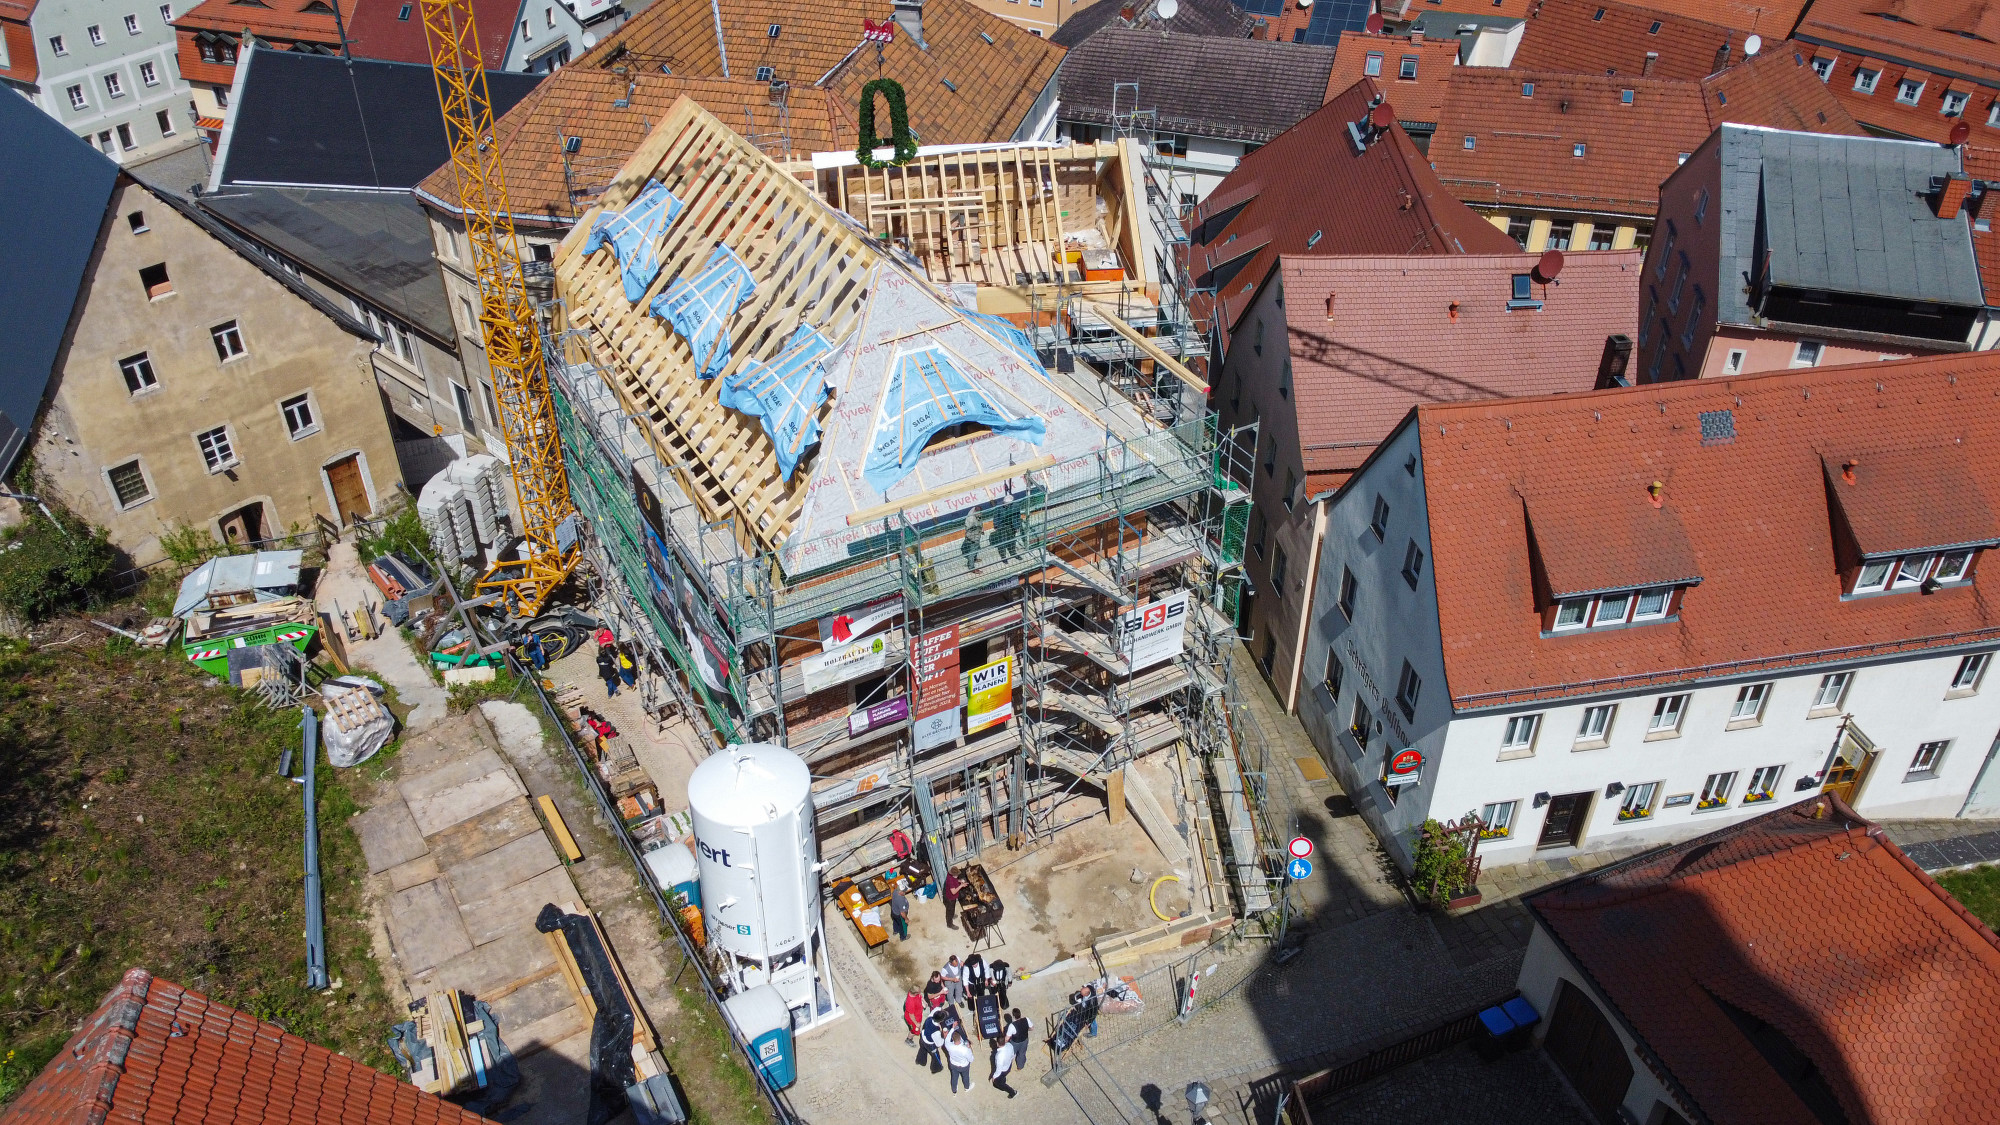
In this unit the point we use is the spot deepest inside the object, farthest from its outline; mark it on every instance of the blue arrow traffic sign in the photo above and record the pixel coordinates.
(1299, 869)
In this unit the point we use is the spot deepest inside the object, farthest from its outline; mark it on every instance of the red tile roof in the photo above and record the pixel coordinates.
(1810, 922)
(22, 63)
(1601, 37)
(1500, 9)
(1524, 146)
(1984, 164)
(1936, 41)
(374, 32)
(1770, 594)
(157, 1054)
(1416, 99)
(280, 23)
(1924, 120)
(1308, 190)
(1772, 21)
(996, 72)
(1404, 330)
(1778, 90)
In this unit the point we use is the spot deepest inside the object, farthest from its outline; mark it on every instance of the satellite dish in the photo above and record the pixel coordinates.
(1961, 131)
(589, 40)
(1549, 266)
(1168, 9)
(1382, 116)
(1374, 23)
(1752, 45)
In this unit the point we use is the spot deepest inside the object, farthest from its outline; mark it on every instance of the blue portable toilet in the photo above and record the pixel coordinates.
(674, 868)
(764, 1022)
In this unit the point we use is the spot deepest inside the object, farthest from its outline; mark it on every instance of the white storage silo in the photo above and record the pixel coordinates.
(753, 830)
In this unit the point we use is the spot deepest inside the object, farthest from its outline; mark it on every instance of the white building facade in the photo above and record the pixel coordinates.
(1698, 700)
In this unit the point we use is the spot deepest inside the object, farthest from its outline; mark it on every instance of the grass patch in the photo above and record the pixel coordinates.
(143, 823)
(1978, 889)
(464, 697)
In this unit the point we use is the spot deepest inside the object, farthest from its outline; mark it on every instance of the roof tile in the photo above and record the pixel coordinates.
(1417, 99)
(1246, 89)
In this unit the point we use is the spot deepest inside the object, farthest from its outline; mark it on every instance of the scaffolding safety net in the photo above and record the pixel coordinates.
(699, 307)
(634, 234)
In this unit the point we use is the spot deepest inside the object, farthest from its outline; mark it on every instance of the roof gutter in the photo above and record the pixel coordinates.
(456, 209)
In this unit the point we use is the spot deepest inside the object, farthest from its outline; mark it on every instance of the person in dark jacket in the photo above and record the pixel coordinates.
(899, 910)
(974, 974)
(953, 887)
(607, 668)
(998, 975)
(930, 1041)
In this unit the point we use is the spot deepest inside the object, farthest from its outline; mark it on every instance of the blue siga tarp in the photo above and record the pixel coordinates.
(698, 306)
(634, 234)
(786, 393)
(927, 392)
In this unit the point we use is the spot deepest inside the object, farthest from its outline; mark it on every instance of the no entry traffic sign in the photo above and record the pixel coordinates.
(1300, 847)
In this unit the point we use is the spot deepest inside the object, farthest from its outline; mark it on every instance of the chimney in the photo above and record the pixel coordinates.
(1952, 195)
(1612, 365)
(1652, 57)
(1329, 308)
(1416, 35)
(1721, 57)
(909, 16)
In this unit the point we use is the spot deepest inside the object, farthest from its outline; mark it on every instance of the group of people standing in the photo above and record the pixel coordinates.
(944, 1037)
(614, 664)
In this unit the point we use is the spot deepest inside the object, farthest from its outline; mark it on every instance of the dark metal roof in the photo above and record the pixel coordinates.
(1840, 214)
(321, 121)
(374, 244)
(1241, 89)
(54, 189)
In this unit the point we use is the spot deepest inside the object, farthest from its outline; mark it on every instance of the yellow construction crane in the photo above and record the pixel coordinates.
(520, 380)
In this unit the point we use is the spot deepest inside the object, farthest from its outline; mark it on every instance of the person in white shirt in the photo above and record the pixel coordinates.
(958, 1055)
(954, 980)
(1004, 1060)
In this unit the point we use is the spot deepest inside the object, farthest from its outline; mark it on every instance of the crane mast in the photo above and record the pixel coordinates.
(506, 319)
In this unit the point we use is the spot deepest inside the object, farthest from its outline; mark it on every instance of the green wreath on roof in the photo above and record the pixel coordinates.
(899, 125)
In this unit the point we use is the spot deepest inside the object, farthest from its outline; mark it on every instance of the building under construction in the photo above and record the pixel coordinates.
(902, 467)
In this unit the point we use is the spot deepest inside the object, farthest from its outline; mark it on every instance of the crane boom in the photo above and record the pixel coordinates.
(507, 320)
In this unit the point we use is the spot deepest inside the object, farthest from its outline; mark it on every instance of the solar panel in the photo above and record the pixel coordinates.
(1717, 426)
(1331, 17)
(1265, 7)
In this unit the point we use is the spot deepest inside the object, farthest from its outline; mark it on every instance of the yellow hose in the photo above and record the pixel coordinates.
(1152, 896)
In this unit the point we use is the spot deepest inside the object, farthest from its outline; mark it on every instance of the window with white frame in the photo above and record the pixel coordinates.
(1638, 802)
(1865, 79)
(1667, 715)
(1952, 566)
(1715, 791)
(1519, 739)
(1832, 690)
(1407, 687)
(299, 418)
(138, 372)
(1572, 614)
(1971, 670)
(1954, 103)
(217, 452)
(166, 13)
(60, 48)
(1823, 67)
(1733, 363)
(228, 337)
(1497, 820)
(1807, 353)
(396, 338)
(77, 100)
(1749, 705)
(1911, 572)
(1763, 784)
(1413, 564)
(149, 74)
(1909, 91)
(1372, 65)
(1929, 756)
(1595, 729)
(1408, 67)
(1612, 609)
(96, 33)
(128, 484)
(131, 25)
(1993, 114)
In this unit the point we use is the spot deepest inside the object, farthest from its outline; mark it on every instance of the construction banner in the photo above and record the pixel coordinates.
(848, 662)
(1154, 632)
(992, 693)
(934, 666)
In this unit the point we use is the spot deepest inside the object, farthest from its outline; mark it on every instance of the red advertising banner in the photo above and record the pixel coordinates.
(934, 665)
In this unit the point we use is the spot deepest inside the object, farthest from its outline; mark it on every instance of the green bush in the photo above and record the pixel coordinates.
(190, 546)
(1443, 865)
(49, 566)
(402, 533)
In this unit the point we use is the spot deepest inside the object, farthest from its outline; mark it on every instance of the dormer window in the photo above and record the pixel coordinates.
(1886, 545)
(1913, 572)
(1620, 607)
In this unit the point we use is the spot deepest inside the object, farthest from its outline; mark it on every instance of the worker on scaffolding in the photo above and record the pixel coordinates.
(1007, 525)
(975, 530)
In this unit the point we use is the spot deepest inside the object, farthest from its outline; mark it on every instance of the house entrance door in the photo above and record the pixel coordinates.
(1853, 759)
(1564, 826)
(244, 526)
(350, 494)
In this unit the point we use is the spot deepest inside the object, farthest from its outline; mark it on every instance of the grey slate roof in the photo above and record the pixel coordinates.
(1239, 89)
(1215, 18)
(1840, 214)
(54, 189)
(375, 244)
(321, 121)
